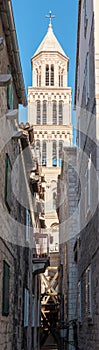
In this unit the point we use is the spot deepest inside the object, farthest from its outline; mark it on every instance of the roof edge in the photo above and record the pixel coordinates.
(9, 26)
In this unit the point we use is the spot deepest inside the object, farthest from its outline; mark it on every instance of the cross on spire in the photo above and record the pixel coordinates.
(50, 16)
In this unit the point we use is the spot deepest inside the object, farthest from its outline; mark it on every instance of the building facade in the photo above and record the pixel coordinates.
(67, 210)
(87, 114)
(15, 216)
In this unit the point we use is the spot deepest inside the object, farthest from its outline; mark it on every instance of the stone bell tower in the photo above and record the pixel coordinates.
(49, 105)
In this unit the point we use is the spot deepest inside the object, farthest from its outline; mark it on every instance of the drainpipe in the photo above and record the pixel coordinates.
(13, 34)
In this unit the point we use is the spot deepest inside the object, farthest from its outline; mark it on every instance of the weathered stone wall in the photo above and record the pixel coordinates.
(13, 247)
(68, 229)
(87, 111)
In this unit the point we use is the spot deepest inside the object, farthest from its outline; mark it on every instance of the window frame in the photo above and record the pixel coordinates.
(88, 187)
(60, 112)
(44, 153)
(5, 289)
(47, 75)
(52, 75)
(38, 116)
(44, 116)
(8, 170)
(54, 153)
(54, 113)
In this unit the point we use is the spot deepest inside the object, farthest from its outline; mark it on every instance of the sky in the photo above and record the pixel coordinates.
(31, 27)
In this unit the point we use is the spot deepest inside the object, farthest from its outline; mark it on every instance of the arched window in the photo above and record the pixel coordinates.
(37, 145)
(39, 76)
(44, 117)
(60, 112)
(59, 78)
(60, 152)
(44, 160)
(47, 75)
(62, 77)
(61, 71)
(52, 74)
(54, 112)
(54, 155)
(38, 112)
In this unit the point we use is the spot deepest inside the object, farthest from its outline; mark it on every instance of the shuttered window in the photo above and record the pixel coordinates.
(5, 291)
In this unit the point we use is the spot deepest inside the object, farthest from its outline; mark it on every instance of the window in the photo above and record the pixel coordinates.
(52, 74)
(47, 75)
(8, 169)
(5, 292)
(62, 78)
(88, 187)
(27, 224)
(54, 200)
(54, 157)
(54, 112)
(60, 152)
(85, 17)
(38, 112)
(79, 300)
(87, 77)
(37, 77)
(61, 71)
(89, 292)
(44, 161)
(26, 307)
(44, 118)
(60, 113)
(9, 92)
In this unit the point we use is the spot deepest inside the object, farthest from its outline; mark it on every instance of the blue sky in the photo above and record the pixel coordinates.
(31, 27)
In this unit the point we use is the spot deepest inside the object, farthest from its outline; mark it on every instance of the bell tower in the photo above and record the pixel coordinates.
(49, 106)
